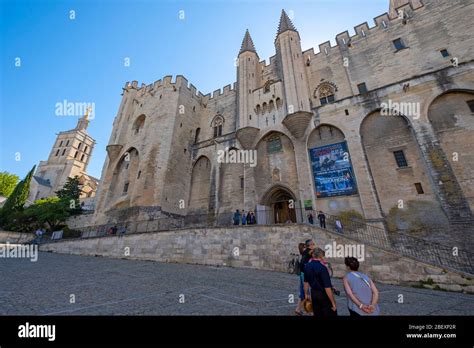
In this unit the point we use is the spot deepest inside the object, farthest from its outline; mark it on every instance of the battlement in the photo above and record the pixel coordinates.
(344, 41)
(180, 83)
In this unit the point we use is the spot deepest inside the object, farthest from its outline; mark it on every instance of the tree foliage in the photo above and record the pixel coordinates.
(71, 192)
(7, 183)
(18, 197)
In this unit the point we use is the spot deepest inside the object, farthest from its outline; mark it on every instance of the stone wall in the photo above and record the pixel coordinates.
(261, 247)
(15, 237)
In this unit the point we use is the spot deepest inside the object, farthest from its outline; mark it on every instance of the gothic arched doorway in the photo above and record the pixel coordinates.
(280, 205)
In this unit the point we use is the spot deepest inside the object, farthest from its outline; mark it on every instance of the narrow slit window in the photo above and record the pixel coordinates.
(400, 159)
(419, 188)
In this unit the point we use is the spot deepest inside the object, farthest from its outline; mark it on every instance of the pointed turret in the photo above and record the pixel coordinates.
(247, 43)
(292, 71)
(248, 79)
(285, 23)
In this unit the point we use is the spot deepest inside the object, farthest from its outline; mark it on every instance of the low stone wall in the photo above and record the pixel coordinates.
(15, 237)
(261, 247)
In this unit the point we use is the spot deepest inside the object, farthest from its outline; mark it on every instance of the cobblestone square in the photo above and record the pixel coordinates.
(105, 286)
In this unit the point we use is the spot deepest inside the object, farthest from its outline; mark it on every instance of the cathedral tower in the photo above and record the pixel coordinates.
(69, 157)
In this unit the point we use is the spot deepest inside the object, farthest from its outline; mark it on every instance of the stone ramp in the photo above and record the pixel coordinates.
(266, 248)
(15, 237)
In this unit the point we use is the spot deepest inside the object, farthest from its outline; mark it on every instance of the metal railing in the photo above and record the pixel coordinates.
(402, 243)
(407, 245)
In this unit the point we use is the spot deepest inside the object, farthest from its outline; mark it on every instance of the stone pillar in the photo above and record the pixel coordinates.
(250, 200)
(365, 182)
(303, 167)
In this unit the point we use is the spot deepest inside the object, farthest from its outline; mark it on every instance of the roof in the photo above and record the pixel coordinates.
(247, 43)
(41, 181)
(285, 23)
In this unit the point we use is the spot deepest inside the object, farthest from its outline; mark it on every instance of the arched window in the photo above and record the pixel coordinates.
(271, 106)
(217, 124)
(258, 109)
(278, 103)
(138, 124)
(264, 108)
(326, 93)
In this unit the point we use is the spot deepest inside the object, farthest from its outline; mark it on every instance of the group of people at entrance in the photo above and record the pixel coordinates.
(322, 221)
(244, 218)
(317, 294)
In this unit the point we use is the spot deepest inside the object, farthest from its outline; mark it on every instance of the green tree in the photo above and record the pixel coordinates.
(50, 212)
(18, 197)
(71, 192)
(7, 183)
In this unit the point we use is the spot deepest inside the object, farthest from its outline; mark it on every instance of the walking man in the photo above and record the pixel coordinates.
(322, 219)
(318, 286)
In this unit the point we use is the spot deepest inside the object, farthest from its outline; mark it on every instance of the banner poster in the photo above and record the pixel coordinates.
(332, 170)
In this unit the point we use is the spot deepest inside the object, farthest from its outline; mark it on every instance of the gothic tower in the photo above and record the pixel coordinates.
(69, 157)
(248, 78)
(292, 67)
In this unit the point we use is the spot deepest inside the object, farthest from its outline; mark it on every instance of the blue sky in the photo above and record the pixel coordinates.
(82, 60)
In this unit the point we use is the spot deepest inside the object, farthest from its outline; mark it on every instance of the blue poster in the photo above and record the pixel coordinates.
(332, 170)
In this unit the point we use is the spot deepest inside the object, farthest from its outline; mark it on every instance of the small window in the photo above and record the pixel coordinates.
(217, 125)
(61, 144)
(400, 159)
(75, 155)
(399, 44)
(274, 145)
(57, 152)
(470, 103)
(82, 158)
(196, 137)
(362, 88)
(85, 149)
(126, 166)
(419, 188)
(125, 187)
(64, 151)
(444, 53)
(139, 173)
(346, 112)
(79, 147)
(327, 100)
(241, 182)
(67, 143)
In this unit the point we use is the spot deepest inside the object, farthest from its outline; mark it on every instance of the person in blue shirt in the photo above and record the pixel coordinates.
(244, 217)
(318, 286)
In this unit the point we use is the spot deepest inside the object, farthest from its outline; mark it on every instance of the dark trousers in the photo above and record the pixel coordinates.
(321, 305)
(354, 314)
(322, 223)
